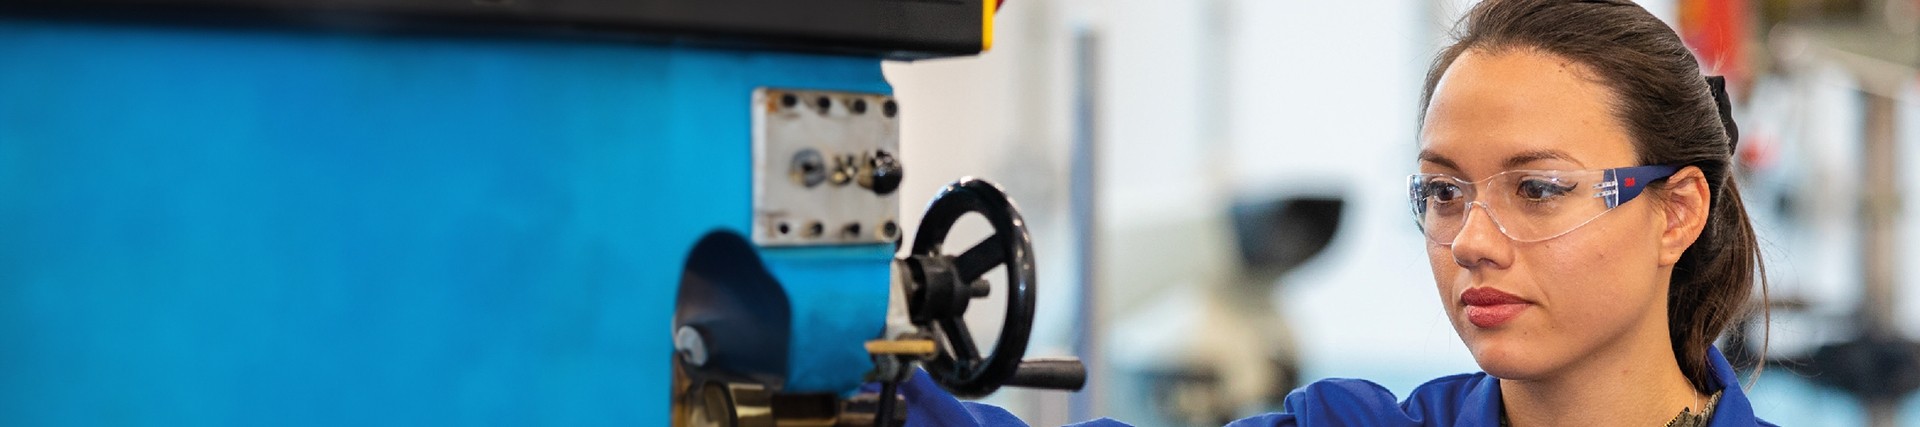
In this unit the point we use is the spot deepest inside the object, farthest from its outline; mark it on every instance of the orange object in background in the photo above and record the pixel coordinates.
(1717, 31)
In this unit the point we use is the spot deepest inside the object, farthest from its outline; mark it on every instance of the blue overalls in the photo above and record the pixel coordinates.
(1458, 400)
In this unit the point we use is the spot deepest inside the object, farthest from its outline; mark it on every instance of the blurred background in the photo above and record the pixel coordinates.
(1215, 188)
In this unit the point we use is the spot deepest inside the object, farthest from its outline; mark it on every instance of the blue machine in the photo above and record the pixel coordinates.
(454, 213)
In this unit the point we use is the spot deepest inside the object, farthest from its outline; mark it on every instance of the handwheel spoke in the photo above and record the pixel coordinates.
(980, 259)
(964, 352)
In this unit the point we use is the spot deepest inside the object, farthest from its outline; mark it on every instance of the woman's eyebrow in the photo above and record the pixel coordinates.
(1436, 158)
(1526, 157)
(1514, 161)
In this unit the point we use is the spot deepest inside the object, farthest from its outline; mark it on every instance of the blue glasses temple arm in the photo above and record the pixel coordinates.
(1621, 185)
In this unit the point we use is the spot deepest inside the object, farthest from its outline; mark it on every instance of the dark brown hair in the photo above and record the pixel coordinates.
(1675, 117)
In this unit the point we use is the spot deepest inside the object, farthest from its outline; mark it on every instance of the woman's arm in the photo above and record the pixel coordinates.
(1332, 402)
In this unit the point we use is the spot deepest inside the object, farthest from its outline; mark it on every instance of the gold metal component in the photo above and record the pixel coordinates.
(716, 404)
(901, 347)
(845, 168)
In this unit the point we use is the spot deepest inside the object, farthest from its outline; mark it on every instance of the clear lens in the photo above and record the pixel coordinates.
(1525, 205)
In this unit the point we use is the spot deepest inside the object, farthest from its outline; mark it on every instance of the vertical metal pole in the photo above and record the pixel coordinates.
(1081, 209)
(1216, 78)
(1882, 210)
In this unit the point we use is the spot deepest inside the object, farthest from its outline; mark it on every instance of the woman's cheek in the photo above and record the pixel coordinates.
(1445, 274)
(1582, 286)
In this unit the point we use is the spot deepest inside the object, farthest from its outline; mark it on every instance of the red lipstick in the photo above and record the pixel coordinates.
(1488, 307)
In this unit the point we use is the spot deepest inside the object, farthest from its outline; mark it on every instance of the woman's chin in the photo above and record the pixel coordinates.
(1505, 359)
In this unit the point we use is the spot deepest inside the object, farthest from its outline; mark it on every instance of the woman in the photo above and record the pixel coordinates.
(1585, 234)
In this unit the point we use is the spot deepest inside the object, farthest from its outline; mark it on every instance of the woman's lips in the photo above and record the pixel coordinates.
(1487, 307)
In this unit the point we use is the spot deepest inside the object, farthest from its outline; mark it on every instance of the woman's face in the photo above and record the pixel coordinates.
(1580, 294)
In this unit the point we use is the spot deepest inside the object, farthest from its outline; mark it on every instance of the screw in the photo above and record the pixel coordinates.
(809, 167)
(845, 168)
(691, 346)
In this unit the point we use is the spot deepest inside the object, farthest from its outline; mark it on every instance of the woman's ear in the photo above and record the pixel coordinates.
(1686, 201)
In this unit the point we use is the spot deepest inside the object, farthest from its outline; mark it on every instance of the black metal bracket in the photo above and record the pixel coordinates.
(896, 29)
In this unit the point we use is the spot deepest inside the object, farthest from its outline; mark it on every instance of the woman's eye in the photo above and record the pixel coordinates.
(1537, 189)
(1443, 192)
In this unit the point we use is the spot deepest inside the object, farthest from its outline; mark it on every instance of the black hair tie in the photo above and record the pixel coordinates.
(1718, 85)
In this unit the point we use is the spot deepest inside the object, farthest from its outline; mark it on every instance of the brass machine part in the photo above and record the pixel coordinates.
(722, 404)
(716, 404)
(922, 348)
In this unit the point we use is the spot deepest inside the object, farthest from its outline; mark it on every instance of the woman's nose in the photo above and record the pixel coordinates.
(1480, 242)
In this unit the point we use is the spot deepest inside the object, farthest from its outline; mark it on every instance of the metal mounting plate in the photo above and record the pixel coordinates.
(807, 148)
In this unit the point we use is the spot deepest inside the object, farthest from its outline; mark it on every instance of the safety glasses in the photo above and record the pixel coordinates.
(1526, 205)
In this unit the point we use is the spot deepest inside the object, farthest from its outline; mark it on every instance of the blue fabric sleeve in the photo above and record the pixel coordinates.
(1336, 402)
(930, 406)
(1263, 420)
(1466, 400)
(1323, 403)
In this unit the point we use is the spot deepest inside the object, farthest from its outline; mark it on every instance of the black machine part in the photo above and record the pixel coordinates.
(725, 287)
(945, 282)
(1276, 235)
(883, 28)
(1874, 366)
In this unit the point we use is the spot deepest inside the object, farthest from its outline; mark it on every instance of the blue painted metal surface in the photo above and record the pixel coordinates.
(260, 227)
(839, 301)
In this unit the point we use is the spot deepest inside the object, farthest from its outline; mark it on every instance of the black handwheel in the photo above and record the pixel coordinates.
(947, 281)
